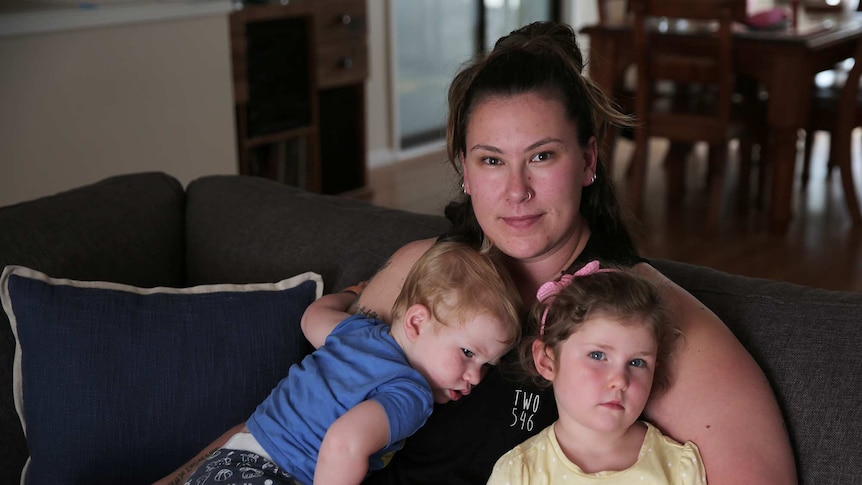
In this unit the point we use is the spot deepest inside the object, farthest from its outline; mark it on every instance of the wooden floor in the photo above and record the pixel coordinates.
(821, 248)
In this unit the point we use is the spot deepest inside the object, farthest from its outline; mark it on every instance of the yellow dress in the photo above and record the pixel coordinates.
(540, 461)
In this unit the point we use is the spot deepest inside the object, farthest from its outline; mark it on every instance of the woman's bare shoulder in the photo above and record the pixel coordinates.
(395, 269)
(411, 251)
(681, 302)
(719, 397)
(378, 296)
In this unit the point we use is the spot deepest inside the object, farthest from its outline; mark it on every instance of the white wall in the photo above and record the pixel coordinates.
(83, 104)
(378, 102)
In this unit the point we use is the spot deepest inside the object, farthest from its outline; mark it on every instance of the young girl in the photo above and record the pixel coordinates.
(602, 339)
(349, 405)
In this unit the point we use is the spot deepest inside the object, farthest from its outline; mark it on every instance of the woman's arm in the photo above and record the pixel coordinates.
(179, 475)
(720, 399)
(323, 315)
(349, 441)
(379, 294)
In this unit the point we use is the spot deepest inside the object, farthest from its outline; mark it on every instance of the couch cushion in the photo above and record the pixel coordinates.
(242, 229)
(127, 229)
(119, 384)
(808, 343)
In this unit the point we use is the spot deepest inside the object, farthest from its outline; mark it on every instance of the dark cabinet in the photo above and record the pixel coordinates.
(299, 72)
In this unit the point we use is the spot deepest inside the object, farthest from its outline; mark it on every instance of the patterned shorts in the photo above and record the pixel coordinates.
(239, 467)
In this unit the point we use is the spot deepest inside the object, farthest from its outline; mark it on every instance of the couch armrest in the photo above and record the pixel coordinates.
(126, 229)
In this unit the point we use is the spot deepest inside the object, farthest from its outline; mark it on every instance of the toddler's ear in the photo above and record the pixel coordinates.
(417, 319)
(543, 358)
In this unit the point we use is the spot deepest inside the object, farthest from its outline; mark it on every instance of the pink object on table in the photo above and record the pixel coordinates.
(772, 19)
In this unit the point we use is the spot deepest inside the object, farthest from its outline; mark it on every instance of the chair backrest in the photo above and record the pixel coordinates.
(846, 121)
(849, 97)
(696, 54)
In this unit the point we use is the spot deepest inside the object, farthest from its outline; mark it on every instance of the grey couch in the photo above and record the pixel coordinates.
(147, 230)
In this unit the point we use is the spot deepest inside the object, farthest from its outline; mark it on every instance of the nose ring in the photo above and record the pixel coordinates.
(529, 195)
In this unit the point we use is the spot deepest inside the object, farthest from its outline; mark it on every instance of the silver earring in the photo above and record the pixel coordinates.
(463, 189)
(594, 178)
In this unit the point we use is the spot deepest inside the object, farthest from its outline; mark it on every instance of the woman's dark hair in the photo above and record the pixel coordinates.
(541, 57)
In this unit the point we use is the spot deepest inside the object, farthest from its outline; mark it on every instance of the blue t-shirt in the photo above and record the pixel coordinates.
(358, 361)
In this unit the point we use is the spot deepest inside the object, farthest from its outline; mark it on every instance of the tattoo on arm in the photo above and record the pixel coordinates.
(356, 308)
(367, 312)
(190, 467)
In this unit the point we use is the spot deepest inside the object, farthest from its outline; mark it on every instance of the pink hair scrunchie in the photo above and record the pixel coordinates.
(551, 289)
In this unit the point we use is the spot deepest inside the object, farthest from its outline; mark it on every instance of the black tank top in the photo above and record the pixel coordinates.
(462, 440)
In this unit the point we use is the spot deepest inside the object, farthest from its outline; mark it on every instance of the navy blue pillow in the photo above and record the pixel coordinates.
(117, 384)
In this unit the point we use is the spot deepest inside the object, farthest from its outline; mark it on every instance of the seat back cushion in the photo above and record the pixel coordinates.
(249, 229)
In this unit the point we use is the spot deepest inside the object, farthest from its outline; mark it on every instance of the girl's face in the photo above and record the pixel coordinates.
(602, 374)
(524, 170)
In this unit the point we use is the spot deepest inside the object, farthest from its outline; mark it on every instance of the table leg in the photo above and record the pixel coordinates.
(789, 86)
(782, 156)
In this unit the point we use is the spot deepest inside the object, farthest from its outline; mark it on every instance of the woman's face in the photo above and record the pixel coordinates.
(524, 170)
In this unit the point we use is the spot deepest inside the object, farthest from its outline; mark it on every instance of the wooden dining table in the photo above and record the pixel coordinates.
(783, 61)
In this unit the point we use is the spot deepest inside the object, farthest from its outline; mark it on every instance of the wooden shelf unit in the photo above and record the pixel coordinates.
(299, 72)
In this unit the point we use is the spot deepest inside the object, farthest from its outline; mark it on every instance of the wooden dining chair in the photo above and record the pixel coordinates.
(837, 109)
(700, 67)
(623, 93)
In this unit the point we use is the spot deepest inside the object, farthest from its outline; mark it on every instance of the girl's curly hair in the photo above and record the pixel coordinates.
(620, 293)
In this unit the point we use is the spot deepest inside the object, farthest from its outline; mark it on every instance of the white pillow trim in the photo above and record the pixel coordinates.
(214, 288)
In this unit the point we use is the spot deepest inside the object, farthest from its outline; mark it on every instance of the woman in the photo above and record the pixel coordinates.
(524, 133)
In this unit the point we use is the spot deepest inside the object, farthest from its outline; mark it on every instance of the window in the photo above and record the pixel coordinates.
(504, 16)
(432, 39)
